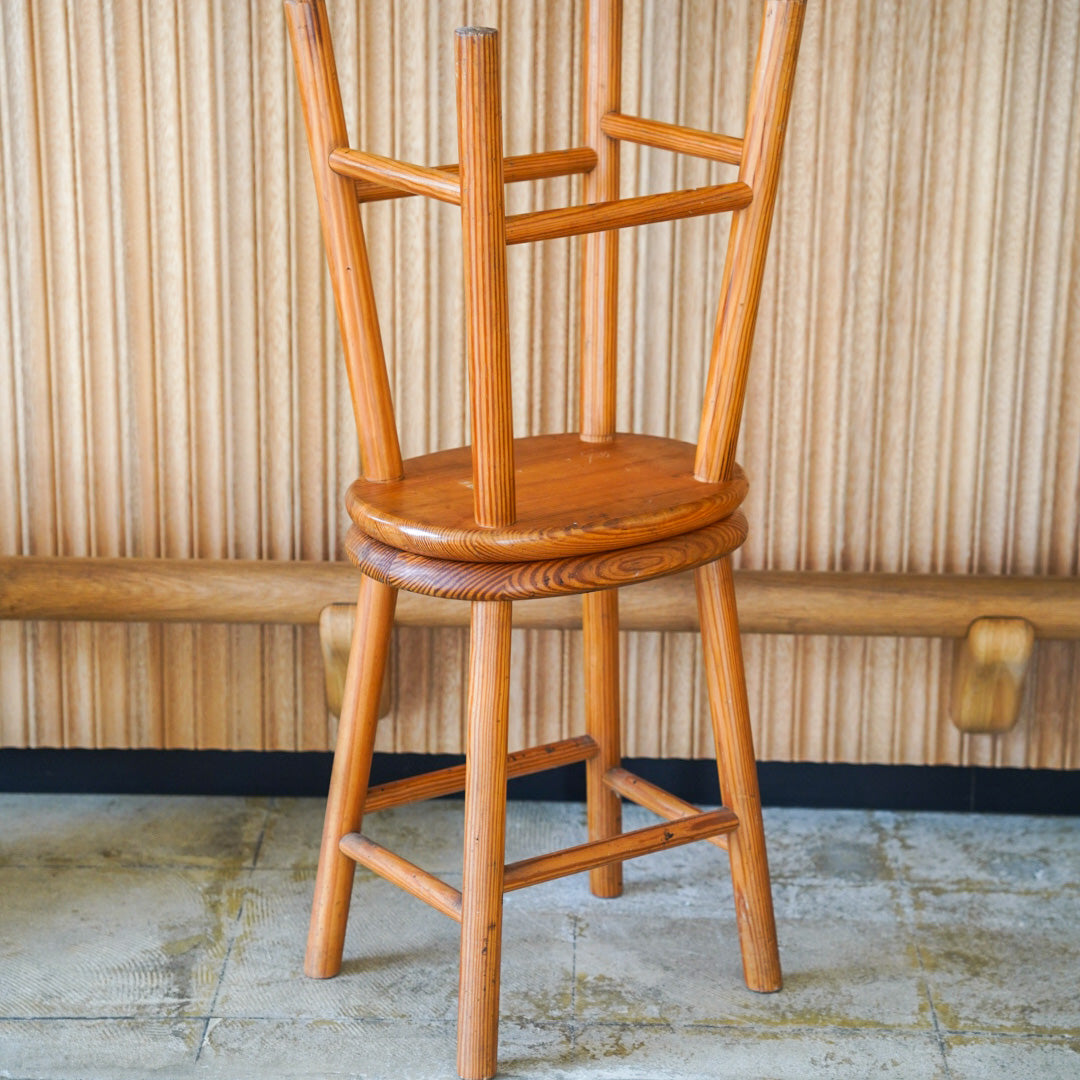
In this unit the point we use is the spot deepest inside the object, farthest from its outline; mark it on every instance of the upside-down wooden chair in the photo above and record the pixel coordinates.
(513, 519)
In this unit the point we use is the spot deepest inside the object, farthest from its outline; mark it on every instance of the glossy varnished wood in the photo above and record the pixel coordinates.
(517, 168)
(544, 577)
(744, 266)
(451, 780)
(572, 498)
(654, 798)
(725, 680)
(349, 777)
(401, 176)
(989, 672)
(629, 845)
(600, 624)
(485, 840)
(770, 601)
(601, 92)
(501, 521)
(623, 213)
(683, 140)
(483, 241)
(343, 236)
(406, 875)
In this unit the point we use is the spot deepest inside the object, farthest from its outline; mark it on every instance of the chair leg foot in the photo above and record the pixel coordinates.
(485, 840)
(600, 623)
(349, 778)
(726, 681)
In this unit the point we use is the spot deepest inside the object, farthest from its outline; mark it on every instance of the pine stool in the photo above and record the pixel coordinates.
(510, 519)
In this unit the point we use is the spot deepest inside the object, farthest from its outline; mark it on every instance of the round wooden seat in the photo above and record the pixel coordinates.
(544, 577)
(573, 498)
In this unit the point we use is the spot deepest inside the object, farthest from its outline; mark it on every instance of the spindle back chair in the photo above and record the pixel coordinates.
(505, 520)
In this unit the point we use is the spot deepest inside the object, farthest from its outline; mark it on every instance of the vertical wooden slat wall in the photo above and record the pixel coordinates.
(171, 381)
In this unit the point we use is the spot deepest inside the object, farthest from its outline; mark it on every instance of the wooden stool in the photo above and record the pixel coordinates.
(512, 519)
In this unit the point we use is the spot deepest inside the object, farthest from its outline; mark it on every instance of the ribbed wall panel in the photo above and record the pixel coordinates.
(172, 382)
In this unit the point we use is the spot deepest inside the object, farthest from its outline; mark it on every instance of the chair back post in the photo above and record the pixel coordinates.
(740, 290)
(343, 235)
(483, 228)
(601, 94)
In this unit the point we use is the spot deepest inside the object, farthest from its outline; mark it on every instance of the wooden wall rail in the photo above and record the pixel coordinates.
(770, 602)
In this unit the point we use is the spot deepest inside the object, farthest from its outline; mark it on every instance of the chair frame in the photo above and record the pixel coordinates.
(344, 178)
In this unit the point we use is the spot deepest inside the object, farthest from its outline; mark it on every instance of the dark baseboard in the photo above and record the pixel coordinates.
(222, 772)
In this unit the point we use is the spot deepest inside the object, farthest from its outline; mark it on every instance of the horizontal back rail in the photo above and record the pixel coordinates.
(682, 140)
(401, 175)
(623, 213)
(545, 165)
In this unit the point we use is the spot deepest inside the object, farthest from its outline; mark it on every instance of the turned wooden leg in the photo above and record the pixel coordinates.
(738, 774)
(485, 839)
(349, 778)
(600, 621)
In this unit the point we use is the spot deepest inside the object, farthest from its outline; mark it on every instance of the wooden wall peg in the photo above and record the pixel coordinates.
(988, 684)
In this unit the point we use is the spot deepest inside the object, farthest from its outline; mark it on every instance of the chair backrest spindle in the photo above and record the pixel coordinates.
(744, 266)
(601, 93)
(487, 318)
(343, 234)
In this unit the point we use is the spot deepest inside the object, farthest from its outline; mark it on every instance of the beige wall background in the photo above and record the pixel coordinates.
(171, 381)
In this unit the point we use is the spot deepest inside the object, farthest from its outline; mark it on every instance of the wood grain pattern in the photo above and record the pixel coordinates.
(485, 840)
(349, 778)
(656, 799)
(770, 601)
(646, 841)
(483, 232)
(543, 577)
(157, 199)
(343, 237)
(623, 213)
(600, 94)
(572, 498)
(744, 265)
(543, 165)
(988, 684)
(730, 711)
(676, 137)
(406, 875)
(603, 721)
(451, 780)
(399, 175)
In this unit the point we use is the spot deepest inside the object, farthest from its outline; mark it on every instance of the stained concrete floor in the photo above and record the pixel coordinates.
(163, 937)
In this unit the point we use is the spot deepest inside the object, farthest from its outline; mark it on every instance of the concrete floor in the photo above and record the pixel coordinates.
(144, 937)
